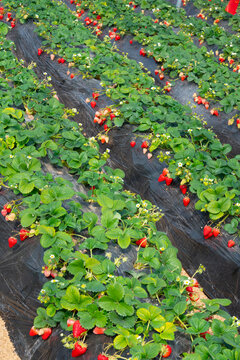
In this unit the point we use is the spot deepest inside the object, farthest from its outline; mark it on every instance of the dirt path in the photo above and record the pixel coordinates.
(7, 350)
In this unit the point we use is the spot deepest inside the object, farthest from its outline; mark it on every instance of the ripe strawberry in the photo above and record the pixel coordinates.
(168, 181)
(33, 331)
(93, 104)
(12, 241)
(207, 230)
(238, 123)
(183, 189)
(133, 143)
(78, 329)
(186, 201)
(161, 178)
(8, 208)
(130, 42)
(115, 29)
(1, 16)
(166, 351)
(72, 76)
(231, 61)
(98, 330)
(79, 350)
(9, 15)
(47, 333)
(144, 145)
(98, 17)
(203, 335)
(189, 289)
(102, 357)
(117, 37)
(142, 52)
(231, 243)
(4, 212)
(40, 51)
(221, 59)
(70, 322)
(165, 171)
(105, 127)
(183, 78)
(161, 76)
(24, 234)
(142, 242)
(95, 95)
(215, 232)
(13, 24)
(156, 72)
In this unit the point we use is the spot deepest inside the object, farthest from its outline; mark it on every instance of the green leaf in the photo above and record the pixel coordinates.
(124, 310)
(120, 342)
(143, 314)
(71, 299)
(124, 241)
(115, 291)
(28, 217)
(106, 303)
(180, 307)
(26, 187)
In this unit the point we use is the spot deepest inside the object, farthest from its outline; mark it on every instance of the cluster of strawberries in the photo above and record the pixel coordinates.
(208, 232)
(23, 234)
(44, 333)
(200, 100)
(165, 176)
(113, 35)
(101, 116)
(8, 18)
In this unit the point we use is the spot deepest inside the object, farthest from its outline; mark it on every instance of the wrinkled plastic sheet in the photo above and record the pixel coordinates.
(21, 278)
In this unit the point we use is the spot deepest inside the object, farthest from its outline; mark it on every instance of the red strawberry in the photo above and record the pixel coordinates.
(161, 178)
(33, 331)
(142, 52)
(40, 51)
(161, 76)
(142, 242)
(207, 230)
(166, 351)
(215, 232)
(70, 322)
(24, 234)
(72, 76)
(117, 37)
(144, 145)
(238, 123)
(8, 208)
(130, 42)
(93, 104)
(95, 95)
(183, 189)
(115, 29)
(189, 289)
(112, 116)
(193, 297)
(13, 24)
(1, 16)
(47, 333)
(231, 61)
(186, 201)
(79, 350)
(203, 335)
(102, 357)
(12, 241)
(133, 143)
(4, 212)
(156, 72)
(105, 127)
(98, 330)
(165, 171)
(168, 181)
(78, 329)
(231, 243)
(9, 15)
(98, 17)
